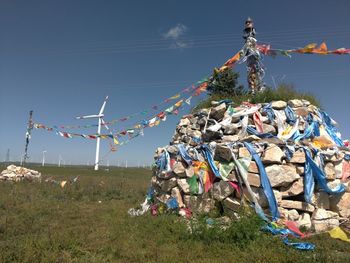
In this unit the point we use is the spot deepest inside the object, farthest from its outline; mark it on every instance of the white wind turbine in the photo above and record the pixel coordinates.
(100, 116)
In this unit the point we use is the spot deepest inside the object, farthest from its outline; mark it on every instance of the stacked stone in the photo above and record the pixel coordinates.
(285, 175)
(18, 173)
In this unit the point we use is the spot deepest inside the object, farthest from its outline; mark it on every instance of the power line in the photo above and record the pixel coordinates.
(124, 46)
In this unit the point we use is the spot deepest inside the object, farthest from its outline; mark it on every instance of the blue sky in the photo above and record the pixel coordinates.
(61, 58)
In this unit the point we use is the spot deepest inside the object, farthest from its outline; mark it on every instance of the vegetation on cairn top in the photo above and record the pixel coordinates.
(225, 86)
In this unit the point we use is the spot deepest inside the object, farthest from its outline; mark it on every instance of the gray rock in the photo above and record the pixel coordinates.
(329, 171)
(320, 200)
(338, 169)
(189, 171)
(269, 129)
(230, 129)
(172, 150)
(341, 204)
(175, 193)
(223, 152)
(190, 201)
(163, 198)
(231, 203)
(273, 154)
(167, 185)
(296, 188)
(18, 173)
(250, 138)
(301, 111)
(243, 152)
(281, 175)
(179, 169)
(298, 205)
(292, 215)
(205, 205)
(295, 103)
(298, 157)
(253, 179)
(300, 169)
(184, 186)
(218, 112)
(260, 196)
(323, 220)
(304, 221)
(278, 105)
(201, 122)
(184, 122)
(221, 190)
(230, 138)
(306, 102)
(253, 168)
(209, 136)
(195, 133)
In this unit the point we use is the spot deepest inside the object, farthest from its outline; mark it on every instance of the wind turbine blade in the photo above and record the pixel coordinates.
(104, 124)
(90, 116)
(103, 105)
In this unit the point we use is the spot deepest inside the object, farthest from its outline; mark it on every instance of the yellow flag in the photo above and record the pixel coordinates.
(309, 48)
(339, 234)
(175, 97)
(179, 103)
(63, 183)
(115, 141)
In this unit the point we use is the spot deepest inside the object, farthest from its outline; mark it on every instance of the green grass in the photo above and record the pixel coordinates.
(283, 92)
(41, 222)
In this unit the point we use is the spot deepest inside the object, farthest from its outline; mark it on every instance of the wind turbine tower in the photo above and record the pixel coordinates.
(100, 116)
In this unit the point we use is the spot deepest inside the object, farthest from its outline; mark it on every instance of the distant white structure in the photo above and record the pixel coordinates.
(59, 160)
(43, 160)
(100, 116)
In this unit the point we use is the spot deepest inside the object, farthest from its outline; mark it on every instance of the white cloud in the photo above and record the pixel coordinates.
(174, 34)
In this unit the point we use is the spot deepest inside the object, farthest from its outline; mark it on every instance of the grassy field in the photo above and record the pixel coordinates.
(88, 222)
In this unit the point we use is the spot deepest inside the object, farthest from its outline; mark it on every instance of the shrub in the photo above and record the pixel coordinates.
(283, 92)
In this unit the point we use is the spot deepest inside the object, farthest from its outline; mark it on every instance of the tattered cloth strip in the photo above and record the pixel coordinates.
(265, 182)
(283, 232)
(205, 175)
(242, 167)
(183, 152)
(209, 157)
(312, 173)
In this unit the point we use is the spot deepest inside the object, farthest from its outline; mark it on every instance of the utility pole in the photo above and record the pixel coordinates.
(28, 136)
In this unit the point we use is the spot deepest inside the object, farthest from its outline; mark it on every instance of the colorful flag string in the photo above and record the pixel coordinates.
(312, 48)
(137, 129)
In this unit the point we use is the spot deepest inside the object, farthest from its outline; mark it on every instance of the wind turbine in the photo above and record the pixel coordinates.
(43, 160)
(100, 116)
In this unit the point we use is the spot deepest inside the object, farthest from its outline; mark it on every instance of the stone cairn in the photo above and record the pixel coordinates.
(18, 173)
(175, 177)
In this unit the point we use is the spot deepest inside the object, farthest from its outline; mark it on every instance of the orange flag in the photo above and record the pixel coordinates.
(322, 49)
